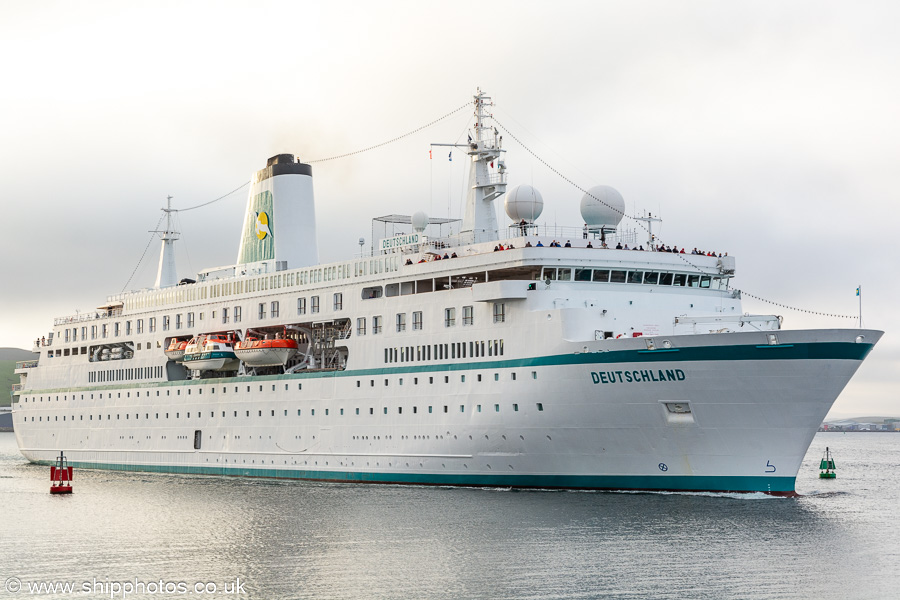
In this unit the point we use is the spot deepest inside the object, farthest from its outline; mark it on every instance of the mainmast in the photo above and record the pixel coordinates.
(487, 176)
(166, 275)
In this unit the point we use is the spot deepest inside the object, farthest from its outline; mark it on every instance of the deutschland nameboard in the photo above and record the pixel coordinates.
(401, 241)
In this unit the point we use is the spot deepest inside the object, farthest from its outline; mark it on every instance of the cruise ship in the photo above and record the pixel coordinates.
(456, 352)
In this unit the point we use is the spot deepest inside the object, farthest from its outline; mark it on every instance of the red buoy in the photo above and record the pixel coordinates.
(61, 476)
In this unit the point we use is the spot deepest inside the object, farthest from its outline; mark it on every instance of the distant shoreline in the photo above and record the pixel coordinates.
(855, 431)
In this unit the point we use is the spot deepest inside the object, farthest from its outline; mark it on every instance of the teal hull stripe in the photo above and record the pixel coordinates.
(692, 483)
(209, 355)
(807, 351)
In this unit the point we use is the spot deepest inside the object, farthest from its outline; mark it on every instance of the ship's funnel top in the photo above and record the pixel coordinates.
(282, 164)
(280, 222)
(280, 159)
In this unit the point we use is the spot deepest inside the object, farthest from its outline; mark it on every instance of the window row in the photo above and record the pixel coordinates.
(477, 408)
(202, 291)
(450, 319)
(107, 375)
(428, 352)
(642, 277)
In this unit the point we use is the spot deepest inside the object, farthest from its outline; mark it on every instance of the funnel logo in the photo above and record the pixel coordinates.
(257, 239)
(262, 225)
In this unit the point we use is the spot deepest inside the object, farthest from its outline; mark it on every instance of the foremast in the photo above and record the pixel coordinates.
(166, 275)
(487, 176)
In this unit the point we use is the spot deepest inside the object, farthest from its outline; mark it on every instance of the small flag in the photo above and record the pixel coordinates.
(857, 291)
(429, 155)
(470, 139)
(450, 156)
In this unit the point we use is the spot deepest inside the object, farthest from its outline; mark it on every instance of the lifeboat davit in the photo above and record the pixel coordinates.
(175, 351)
(213, 352)
(255, 352)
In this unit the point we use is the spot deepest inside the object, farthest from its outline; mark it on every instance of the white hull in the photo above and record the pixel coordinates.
(752, 418)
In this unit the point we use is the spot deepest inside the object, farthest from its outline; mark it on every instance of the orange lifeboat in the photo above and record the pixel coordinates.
(176, 348)
(256, 352)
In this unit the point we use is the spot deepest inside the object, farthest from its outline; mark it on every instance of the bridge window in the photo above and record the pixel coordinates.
(499, 312)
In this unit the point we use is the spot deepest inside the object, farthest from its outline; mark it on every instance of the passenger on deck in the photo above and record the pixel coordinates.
(539, 244)
(619, 246)
(528, 244)
(446, 255)
(589, 245)
(496, 248)
(409, 261)
(453, 255)
(568, 244)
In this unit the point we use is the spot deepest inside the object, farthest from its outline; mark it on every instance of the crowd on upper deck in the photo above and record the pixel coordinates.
(568, 244)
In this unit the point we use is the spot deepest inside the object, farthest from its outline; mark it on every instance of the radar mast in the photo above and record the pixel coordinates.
(166, 275)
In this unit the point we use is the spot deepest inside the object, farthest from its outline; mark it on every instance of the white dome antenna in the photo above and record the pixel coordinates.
(419, 221)
(602, 207)
(523, 203)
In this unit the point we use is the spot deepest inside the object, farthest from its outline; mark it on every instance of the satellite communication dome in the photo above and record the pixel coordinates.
(523, 202)
(602, 206)
(419, 222)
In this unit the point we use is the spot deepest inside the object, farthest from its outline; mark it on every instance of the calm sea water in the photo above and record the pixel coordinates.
(271, 539)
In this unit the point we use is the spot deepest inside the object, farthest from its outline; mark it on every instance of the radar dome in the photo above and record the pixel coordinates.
(523, 202)
(419, 222)
(602, 206)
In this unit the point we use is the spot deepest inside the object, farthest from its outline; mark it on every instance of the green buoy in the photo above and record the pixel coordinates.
(827, 466)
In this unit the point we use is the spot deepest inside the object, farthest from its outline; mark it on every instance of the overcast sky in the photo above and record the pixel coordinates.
(765, 129)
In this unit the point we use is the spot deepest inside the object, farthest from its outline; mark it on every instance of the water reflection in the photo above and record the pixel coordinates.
(309, 540)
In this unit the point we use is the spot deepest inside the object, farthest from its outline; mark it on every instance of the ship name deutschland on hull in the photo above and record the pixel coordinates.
(657, 375)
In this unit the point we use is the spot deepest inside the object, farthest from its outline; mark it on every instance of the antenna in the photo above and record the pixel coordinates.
(649, 219)
(166, 275)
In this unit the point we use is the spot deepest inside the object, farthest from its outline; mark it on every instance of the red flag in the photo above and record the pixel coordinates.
(429, 155)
